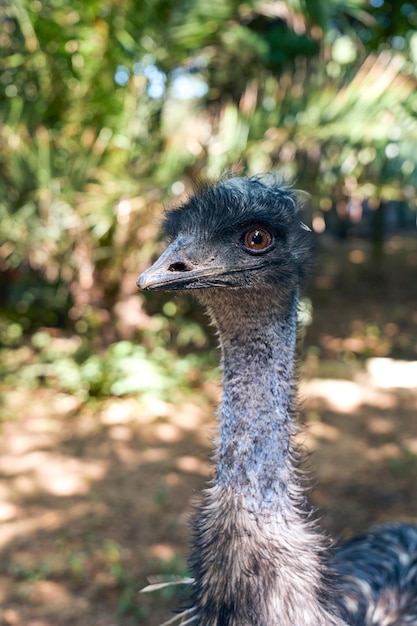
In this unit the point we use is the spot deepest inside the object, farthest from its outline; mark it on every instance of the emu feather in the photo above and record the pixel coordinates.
(258, 557)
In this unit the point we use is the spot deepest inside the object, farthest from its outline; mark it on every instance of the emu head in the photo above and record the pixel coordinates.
(239, 233)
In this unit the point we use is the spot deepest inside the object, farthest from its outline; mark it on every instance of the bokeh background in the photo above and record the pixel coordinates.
(110, 110)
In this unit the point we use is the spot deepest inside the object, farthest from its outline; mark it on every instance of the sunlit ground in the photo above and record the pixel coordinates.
(94, 497)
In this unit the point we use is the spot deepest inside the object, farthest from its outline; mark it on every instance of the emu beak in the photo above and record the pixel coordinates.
(177, 268)
(157, 276)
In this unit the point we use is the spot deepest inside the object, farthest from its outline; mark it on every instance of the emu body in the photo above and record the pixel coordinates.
(258, 558)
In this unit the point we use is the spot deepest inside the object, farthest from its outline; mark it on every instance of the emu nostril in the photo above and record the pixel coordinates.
(178, 267)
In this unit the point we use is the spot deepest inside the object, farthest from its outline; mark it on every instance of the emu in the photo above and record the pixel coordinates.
(258, 557)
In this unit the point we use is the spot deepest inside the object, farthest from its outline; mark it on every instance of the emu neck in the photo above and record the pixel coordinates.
(258, 340)
(253, 525)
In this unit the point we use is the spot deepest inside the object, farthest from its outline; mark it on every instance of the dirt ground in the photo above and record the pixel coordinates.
(93, 500)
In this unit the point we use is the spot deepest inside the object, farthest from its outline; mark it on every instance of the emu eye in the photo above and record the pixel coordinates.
(257, 239)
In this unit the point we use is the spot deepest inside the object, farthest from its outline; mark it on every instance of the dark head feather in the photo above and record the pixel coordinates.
(221, 212)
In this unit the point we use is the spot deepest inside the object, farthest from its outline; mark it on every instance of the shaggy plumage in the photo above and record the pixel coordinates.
(378, 574)
(258, 558)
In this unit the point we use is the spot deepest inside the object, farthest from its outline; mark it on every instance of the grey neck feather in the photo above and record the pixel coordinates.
(254, 455)
(253, 524)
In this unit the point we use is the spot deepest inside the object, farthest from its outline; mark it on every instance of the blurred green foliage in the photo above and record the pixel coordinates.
(109, 109)
(71, 366)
